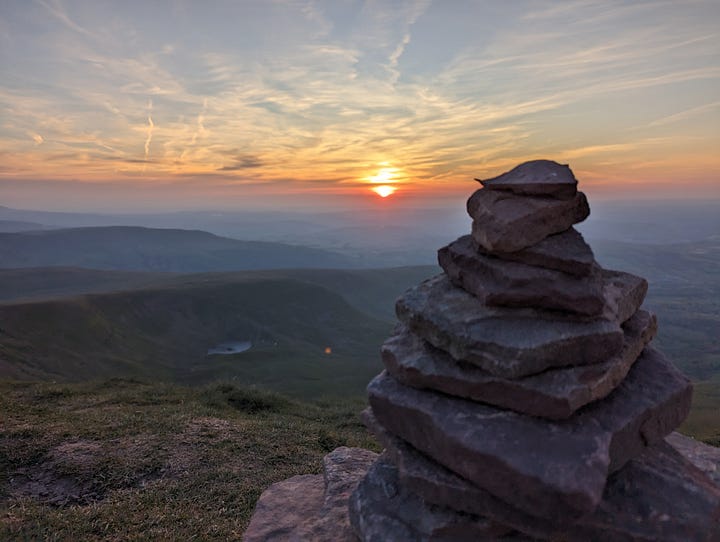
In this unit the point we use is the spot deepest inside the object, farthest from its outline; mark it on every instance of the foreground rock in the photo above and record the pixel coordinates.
(504, 222)
(553, 469)
(506, 342)
(638, 503)
(498, 282)
(312, 507)
(536, 178)
(555, 394)
(382, 509)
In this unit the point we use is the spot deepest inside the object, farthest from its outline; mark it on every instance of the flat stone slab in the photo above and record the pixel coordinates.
(506, 342)
(566, 251)
(382, 509)
(639, 501)
(536, 178)
(505, 222)
(498, 282)
(703, 456)
(624, 293)
(544, 467)
(554, 394)
(312, 507)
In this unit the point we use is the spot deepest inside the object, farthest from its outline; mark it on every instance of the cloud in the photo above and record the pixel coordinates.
(243, 162)
(150, 128)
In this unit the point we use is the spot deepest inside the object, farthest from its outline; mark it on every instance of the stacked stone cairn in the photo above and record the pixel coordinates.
(521, 398)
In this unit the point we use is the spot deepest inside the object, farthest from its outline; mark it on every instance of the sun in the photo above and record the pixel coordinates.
(384, 190)
(384, 180)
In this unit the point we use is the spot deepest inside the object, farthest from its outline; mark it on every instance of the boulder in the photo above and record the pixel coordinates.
(504, 222)
(506, 342)
(312, 507)
(536, 178)
(546, 468)
(498, 282)
(554, 394)
(659, 496)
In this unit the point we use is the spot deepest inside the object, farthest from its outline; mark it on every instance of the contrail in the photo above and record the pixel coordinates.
(149, 136)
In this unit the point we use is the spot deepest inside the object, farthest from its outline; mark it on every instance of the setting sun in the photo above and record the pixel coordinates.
(384, 190)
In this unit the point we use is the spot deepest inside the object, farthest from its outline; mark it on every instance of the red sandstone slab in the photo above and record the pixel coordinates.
(565, 251)
(554, 394)
(536, 178)
(505, 222)
(312, 507)
(659, 496)
(507, 342)
(543, 467)
(498, 282)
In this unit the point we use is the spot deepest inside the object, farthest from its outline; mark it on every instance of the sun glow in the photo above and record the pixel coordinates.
(384, 190)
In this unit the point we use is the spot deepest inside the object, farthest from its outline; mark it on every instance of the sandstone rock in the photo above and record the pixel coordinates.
(382, 509)
(498, 282)
(284, 506)
(624, 293)
(639, 501)
(536, 178)
(504, 222)
(567, 252)
(312, 507)
(544, 467)
(555, 393)
(506, 342)
(703, 456)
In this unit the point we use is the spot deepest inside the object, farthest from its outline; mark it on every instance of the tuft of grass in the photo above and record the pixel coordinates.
(126, 460)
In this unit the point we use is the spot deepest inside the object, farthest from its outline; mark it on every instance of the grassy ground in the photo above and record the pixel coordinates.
(703, 423)
(123, 460)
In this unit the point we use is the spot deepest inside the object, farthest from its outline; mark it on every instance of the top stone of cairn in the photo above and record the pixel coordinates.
(536, 178)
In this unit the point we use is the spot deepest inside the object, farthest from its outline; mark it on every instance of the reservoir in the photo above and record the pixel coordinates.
(231, 347)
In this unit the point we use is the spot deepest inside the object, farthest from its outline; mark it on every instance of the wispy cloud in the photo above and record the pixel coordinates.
(340, 88)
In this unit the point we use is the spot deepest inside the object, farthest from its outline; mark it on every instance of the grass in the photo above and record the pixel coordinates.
(126, 460)
(703, 423)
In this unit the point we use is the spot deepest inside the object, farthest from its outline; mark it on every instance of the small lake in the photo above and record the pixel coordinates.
(229, 348)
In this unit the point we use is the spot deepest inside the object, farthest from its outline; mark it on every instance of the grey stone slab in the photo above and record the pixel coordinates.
(506, 342)
(566, 251)
(554, 394)
(312, 507)
(659, 496)
(536, 178)
(382, 509)
(624, 293)
(544, 467)
(498, 282)
(504, 222)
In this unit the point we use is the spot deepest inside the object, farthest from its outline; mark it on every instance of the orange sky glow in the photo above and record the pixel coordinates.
(181, 105)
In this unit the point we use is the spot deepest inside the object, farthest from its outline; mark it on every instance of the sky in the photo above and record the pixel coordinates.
(161, 104)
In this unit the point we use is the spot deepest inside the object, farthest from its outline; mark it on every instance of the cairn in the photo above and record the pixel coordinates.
(521, 399)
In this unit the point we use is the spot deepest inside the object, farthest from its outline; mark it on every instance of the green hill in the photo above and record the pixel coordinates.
(165, 333)
(151, 249)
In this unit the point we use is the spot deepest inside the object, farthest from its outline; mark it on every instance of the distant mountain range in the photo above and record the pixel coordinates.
(148, 249)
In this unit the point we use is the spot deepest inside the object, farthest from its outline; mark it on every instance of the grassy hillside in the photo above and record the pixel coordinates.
(122, 460)
(51, 282)
(148, 249)
(164, 333)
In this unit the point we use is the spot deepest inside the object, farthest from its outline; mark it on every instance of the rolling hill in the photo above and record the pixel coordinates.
(165, 333)
(151, 249)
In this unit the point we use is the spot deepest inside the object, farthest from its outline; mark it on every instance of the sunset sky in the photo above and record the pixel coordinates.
(189, 104)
